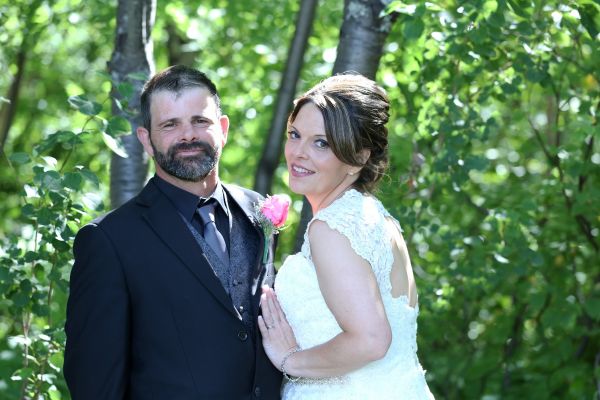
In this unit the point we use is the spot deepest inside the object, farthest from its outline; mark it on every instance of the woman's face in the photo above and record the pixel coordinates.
(314, 170)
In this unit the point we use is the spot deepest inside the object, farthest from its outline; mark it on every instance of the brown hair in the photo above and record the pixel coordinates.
(355, 111)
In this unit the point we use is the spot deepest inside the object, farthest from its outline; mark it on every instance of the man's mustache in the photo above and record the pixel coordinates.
(192, 146)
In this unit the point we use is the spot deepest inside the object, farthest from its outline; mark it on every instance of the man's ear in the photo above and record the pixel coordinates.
(144, 137)
(224, 121)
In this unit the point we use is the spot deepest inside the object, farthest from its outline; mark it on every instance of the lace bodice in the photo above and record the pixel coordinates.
(363, 220)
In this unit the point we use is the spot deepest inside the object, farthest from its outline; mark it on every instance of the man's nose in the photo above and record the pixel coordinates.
(188, 132)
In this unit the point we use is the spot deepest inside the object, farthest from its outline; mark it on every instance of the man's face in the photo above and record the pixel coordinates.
(187, 133)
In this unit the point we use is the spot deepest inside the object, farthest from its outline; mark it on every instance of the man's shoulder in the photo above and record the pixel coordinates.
(122, 212)
(128, 211)
(240, 191)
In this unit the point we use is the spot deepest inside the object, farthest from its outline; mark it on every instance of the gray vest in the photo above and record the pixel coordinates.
(243, 255)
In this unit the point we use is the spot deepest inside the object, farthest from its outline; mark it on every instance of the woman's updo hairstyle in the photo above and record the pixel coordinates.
(355, 111)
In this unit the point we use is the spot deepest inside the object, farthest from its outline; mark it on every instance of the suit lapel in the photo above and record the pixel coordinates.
(166, 222)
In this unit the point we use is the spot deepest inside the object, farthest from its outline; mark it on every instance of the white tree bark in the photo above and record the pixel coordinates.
(133, 53)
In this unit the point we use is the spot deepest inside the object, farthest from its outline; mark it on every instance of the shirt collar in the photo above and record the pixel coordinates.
(187, 203)
(219, 196)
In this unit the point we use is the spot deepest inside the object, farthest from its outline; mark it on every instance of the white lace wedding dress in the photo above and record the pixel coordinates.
(397, 376)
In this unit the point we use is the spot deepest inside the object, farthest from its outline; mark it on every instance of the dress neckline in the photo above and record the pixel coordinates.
(347, 193)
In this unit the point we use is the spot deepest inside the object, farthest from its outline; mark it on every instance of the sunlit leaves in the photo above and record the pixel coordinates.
(34, 268)
(512, 239)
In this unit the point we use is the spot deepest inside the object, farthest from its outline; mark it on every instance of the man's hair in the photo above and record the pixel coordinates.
(174, 79)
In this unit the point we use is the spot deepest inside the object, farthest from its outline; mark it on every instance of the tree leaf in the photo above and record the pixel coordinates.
(20, 158)
(115, 145)
(413, 28)
(89, 176)
(118, 126)
(138, 76)
(399, 7)
(57, 360)
(588, 14)
(592, 307)
(73, 180)
(85, 105)
(51, 180)
(125, 89)
(21, 374)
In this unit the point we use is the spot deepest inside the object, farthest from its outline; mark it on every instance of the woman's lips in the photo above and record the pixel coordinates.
(298, 171)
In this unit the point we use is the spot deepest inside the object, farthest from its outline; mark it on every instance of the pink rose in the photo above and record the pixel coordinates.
(275, 208)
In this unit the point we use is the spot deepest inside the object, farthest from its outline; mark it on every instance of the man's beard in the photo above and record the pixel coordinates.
(188, 168)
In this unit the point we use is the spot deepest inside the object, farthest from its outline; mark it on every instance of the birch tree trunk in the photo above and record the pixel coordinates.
(133, 54)
(360, 48)
(269, 159)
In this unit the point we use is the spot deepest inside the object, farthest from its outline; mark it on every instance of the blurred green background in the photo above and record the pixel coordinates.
(494, 172)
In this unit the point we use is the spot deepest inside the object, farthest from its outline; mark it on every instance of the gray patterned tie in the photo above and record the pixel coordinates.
(212, 236)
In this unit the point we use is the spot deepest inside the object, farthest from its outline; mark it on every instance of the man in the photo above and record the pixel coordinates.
(164, 292)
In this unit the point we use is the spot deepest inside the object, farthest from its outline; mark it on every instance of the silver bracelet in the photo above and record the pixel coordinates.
(291, 351)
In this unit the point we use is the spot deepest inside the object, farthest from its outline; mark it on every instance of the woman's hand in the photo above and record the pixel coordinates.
(278, 336)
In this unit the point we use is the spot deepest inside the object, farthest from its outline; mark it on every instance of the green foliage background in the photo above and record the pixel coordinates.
(494, 171)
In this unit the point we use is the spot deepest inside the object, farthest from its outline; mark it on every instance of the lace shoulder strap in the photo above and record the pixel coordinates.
(361, 219)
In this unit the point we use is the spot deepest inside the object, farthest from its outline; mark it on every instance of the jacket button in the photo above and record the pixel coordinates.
(242, 336)
(257, 391)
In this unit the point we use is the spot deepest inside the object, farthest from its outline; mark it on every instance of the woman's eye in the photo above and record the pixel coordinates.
(322, 144)
(293, 135)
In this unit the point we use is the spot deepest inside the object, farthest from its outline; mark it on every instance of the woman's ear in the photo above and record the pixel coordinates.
(364, 155)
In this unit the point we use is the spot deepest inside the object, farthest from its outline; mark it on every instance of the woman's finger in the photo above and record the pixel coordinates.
(268, 310)
(274, 317)
(262, 326)
(278, 310)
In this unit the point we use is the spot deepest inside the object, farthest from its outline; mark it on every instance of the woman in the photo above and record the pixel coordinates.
(349, 297)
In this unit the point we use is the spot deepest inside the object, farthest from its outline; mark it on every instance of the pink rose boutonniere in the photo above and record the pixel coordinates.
(271, 214)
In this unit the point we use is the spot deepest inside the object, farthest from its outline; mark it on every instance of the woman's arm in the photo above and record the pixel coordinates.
(351, 292)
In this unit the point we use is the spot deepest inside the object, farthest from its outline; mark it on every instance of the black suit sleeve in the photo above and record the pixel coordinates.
(98, 320)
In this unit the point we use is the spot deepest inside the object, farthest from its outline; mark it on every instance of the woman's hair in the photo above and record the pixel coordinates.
(355, 111)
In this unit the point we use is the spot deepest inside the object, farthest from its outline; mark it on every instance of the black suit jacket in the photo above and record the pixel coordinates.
(148, 319)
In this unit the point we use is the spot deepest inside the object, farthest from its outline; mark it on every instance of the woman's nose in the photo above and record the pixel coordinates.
(300, 150)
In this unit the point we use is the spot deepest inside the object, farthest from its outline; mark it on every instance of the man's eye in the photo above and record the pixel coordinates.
(202, 122)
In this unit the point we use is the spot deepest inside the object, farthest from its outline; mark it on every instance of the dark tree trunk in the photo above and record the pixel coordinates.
(175, 48)
(362, 38)
(132, 55)
(7, 112)
(8, 109)
(272, 149)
